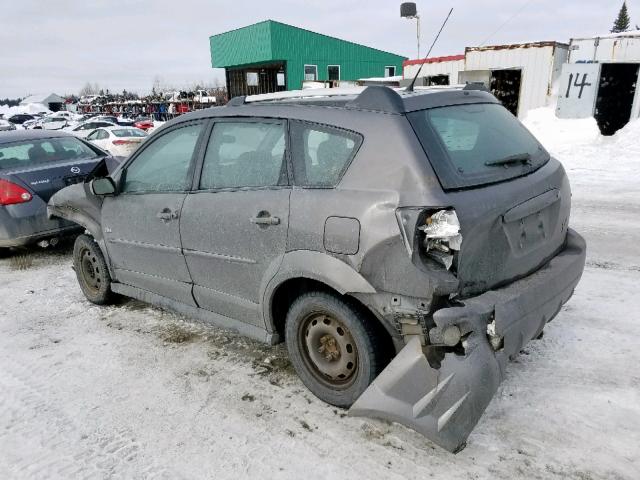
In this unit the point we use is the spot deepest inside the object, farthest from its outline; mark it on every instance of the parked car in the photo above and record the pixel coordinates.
(35, 164)
(20, 118)
(118, 141)
(125, 122)
(354, 226)
(49, 123)
(143, 123)
(5, 125)
(85, 128)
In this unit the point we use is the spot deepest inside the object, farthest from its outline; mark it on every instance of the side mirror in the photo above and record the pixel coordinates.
(103, 186)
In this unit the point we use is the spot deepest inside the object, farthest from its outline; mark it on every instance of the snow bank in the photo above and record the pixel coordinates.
(598, 167)
(29, 108)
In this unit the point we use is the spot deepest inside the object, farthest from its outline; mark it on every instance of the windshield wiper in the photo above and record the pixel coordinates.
(511, 159)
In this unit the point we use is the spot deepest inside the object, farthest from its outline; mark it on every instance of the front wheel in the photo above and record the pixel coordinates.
(333, 346)
(91, 270)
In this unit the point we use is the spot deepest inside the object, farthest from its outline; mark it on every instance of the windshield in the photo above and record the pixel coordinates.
(33, 152)
(476, 144)
(129, 132)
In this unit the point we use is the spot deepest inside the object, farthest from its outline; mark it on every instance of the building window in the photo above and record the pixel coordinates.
(252, 79)
(333, 73)
(311, 72)
(390, 71)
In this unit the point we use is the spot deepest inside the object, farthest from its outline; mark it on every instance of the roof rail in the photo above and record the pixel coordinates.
(476, 86)
(306, 93)
(237, 101)
(374, 98)
(379, 99)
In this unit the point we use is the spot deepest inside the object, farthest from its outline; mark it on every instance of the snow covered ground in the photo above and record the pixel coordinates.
(134, 392)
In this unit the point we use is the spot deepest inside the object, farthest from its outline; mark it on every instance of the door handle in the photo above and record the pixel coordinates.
(265, 220)
(166, 215)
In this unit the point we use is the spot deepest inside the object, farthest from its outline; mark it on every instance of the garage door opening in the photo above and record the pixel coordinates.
(256, 80)
(437, 80)
(615, 96)
(505, 85)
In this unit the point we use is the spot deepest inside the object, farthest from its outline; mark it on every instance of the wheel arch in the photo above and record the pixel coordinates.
(305, 271)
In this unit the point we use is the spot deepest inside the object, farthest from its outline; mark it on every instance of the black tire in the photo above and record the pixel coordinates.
(91, 270)
(354, 340)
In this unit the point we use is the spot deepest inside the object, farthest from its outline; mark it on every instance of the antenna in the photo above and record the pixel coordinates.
(413, 82)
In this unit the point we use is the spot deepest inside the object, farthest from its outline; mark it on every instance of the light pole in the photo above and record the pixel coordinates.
(410, 11)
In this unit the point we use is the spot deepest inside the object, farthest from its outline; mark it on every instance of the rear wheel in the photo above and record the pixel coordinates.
(333, 346)
(91, 270)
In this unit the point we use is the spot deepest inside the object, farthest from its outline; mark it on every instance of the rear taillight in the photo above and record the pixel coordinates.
(431, 232)
(122, 142)
(10, 193)
(442, 236)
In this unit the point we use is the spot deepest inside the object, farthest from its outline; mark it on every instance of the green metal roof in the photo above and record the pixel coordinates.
(275, 41)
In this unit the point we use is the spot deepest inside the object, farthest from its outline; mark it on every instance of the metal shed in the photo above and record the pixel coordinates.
(271, 56)
(52, 101)
(601, 80)
(520, 75)
(435, 70)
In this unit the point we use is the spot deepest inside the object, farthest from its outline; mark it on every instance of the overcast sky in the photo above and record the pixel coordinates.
(59, 45)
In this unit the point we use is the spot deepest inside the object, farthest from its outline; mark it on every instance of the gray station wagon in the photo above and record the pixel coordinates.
(403, 244)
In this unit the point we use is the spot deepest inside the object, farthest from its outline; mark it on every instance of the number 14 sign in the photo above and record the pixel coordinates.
(578, 90)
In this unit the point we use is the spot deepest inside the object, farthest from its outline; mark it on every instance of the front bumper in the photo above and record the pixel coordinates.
(445, 402)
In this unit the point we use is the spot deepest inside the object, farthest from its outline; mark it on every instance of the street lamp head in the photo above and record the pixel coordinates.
(408, 10)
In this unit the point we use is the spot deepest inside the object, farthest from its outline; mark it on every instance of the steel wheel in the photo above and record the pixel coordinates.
(90, 270)
(329, 349)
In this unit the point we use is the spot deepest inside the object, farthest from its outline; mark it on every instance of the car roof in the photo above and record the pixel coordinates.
(25, 135)
(373, 99)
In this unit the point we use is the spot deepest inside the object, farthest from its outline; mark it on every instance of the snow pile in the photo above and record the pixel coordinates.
(30, 108)
(598, 166)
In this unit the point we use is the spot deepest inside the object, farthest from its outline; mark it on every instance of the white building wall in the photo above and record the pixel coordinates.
(451, 68)
(539, 65)
(606, 49)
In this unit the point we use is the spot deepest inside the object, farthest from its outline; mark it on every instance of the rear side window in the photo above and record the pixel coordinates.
(476, 144)
(245, 154)
(321, 154)
(164, 166)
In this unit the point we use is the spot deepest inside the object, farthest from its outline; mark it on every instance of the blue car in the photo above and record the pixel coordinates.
(35, 164)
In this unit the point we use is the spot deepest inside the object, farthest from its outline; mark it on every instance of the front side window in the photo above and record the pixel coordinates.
(311, 72)
(321, 153)
(165, 165)
(244, 154)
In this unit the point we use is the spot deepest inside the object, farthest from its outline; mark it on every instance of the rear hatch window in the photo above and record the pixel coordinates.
(28, 153)
(476, 144)
(129, 132)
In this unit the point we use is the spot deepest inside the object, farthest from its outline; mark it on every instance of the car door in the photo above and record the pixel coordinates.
(234, 223)
(141, 224)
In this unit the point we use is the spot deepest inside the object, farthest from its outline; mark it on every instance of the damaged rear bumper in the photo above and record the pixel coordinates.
(444, 403)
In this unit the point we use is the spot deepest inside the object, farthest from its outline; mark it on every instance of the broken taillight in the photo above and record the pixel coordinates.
(434, 232)
(442, 236)
(11, 194)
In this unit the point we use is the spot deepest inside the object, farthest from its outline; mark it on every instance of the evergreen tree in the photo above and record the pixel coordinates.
(622, 22)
